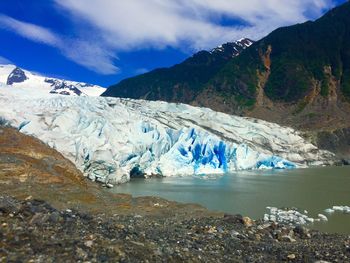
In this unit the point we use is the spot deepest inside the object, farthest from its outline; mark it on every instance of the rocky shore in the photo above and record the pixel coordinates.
(34, 231)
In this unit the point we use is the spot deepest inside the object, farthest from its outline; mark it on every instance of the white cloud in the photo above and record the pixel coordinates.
(30, 31)
(126, 25)
(90, 55)
(82, 52)
(5, 61)
(105, 27)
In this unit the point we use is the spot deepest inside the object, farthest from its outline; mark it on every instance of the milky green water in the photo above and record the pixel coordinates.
(248, 193)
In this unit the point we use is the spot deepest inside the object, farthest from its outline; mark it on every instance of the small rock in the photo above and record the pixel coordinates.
(137, 243)
(220, 229)
(212, 230)
(55, 217)
(120, 226)
(287, 239)
(8, 204)
(88, 243)
(303, 232)
(234, 233)
(291, 256)
(81, 253)
(233, 219)
(38, 218)
(247, 221)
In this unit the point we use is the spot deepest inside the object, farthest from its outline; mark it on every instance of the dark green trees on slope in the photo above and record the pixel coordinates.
(303, 53)
(182, 82)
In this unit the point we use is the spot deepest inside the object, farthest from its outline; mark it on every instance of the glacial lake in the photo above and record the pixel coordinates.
(250, 192)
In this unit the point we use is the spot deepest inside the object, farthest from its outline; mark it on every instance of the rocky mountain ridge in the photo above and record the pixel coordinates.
(18, 78)
(181, 82)
(296, 76)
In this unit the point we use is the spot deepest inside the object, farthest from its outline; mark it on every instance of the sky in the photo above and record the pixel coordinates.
(104, 41)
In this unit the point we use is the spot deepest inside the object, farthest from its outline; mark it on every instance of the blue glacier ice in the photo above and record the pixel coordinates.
(109, 138)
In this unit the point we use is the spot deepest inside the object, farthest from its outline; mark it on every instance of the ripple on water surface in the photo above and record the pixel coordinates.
(250, 192)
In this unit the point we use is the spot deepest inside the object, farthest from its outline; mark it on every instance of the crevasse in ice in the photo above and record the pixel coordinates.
(107, 138)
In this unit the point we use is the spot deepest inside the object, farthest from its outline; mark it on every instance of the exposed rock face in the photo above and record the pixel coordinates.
(16, 76)
(62, 88)
(232, 49)
(337, 141)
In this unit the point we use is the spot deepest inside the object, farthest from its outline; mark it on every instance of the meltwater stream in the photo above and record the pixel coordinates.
(250, 192)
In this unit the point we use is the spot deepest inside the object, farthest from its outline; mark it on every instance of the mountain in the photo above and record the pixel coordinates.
(111, 139)
(297, 76)
(182, 82)
(19, 78)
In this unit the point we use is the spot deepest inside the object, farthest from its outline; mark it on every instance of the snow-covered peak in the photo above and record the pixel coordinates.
(41, 85)
(244, 42)
(234, 48)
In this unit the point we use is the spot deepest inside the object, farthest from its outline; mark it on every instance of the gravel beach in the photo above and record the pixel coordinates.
(34, 231)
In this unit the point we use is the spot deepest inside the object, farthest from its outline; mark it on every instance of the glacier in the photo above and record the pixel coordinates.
(110, 139)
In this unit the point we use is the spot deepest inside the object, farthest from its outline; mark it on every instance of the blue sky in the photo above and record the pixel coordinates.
(104, 41)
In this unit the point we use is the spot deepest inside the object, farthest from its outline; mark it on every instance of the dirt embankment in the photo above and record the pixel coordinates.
(29, 169)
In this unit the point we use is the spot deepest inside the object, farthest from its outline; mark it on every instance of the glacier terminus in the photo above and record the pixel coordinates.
(110, 139)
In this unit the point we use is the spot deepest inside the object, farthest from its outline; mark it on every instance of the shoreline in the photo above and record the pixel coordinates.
(34, 230)
(50, 213)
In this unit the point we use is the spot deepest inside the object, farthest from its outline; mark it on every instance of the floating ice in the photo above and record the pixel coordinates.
(322, 217)
(343, 209)
(290, 216)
